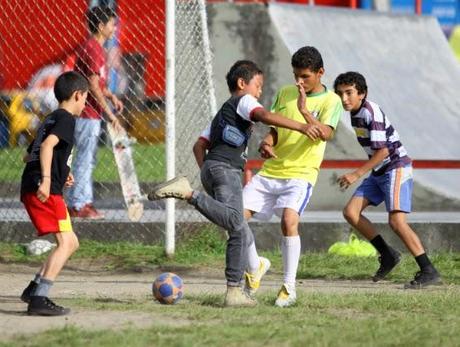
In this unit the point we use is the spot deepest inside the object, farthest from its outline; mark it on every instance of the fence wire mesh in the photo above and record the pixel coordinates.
(39, 40)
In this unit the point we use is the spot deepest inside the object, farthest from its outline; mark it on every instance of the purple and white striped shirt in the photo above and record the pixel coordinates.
(374, 131)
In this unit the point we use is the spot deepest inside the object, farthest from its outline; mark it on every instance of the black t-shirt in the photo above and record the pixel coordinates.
(61, 124)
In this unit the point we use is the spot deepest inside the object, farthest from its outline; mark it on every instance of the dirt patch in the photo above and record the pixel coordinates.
(91, 281)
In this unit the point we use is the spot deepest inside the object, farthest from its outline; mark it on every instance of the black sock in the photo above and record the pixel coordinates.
(380, 245)
(423, 261)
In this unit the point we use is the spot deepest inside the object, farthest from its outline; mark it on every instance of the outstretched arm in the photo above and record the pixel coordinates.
(349, 178)
(269, 118)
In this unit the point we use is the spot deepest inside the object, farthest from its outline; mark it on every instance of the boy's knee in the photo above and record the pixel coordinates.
(76, 244)
(236, 221)
(396, 224)
(351, 215)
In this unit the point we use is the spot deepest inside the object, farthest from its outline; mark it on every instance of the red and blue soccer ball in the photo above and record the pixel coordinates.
(168, 288)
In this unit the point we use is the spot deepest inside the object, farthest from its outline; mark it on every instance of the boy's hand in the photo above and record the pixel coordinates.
(302, 99)
(69, 181)
(43, 192)
(117, 104)
(314, 132)
(266, 151)
(348, 179)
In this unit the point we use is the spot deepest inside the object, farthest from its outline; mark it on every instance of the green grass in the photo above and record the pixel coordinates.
(149, 161)
(207, 248)
(396, 318)
(317, 319)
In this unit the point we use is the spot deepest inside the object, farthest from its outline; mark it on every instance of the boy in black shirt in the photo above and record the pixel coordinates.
(46, 173)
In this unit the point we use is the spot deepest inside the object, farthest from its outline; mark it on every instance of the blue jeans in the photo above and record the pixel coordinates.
(86, 138)
(224, 207)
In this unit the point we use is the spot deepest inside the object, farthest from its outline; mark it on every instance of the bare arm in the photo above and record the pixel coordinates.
(349, 178)
(100, 95)
(199, 151)
(46, 157)
(275, 119)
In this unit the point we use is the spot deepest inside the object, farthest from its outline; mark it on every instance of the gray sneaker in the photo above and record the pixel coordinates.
(177, 188)
(236, 297)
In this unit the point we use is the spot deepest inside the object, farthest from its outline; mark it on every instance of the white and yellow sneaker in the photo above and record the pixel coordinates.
(286, 296)
(252, 280)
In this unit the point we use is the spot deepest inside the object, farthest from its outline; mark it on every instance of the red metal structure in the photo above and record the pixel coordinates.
(256, 164)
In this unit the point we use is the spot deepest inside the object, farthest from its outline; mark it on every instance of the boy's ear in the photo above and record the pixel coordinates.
(77, 95)
(240, 83)
(321, 71)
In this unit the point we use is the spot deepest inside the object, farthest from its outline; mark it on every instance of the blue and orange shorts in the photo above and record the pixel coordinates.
(394, 187)
(48, 217)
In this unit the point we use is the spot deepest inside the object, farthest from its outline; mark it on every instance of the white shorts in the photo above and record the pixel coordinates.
(267, 196)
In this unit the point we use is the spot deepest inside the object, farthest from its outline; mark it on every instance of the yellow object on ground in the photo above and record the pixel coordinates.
(454, 41)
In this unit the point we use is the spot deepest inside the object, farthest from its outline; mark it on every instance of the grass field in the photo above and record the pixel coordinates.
(394, 318)
(383, 319)
(148, 159)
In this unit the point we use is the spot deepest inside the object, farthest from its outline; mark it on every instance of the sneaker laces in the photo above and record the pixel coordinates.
(52, 305)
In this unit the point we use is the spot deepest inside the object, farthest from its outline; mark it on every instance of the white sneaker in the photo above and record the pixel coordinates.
(177, 188)
(252, 280)
(286, 296)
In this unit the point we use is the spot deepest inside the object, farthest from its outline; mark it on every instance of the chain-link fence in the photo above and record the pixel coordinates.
(39, 39)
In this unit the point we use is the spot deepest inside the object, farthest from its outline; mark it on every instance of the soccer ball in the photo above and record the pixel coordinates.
(38, 247)
(168, 288)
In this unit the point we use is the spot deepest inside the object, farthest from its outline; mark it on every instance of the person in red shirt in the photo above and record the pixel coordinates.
(91, 63)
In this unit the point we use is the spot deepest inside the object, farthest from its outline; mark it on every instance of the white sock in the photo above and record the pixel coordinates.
(290, 247)
(253, 258)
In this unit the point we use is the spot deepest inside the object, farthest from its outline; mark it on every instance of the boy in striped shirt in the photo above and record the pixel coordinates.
(390, 181)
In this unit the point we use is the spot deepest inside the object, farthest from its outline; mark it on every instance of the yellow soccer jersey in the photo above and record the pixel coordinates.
(299, 156)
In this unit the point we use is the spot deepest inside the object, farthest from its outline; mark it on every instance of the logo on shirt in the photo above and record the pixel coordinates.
(315, 114)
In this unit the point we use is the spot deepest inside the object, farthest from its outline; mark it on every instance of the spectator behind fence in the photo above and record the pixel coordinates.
(91, 63)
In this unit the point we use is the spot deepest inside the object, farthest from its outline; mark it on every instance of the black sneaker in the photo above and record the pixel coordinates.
(25, 296)
(387, 263)
(42, 306)
(424, 278)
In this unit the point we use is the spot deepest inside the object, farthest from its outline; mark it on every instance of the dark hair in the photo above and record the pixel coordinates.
(307, 58)
(244, 69)
(99, 15)
(351, 78)
(67, 84)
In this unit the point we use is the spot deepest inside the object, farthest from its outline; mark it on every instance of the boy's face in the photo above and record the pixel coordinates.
(254, 87)
(351, 99)
(307, 78)
(108, 30)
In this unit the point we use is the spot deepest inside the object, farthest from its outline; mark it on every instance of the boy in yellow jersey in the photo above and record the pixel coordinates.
(285, 183)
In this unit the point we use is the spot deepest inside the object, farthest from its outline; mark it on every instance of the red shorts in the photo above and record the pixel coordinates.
(50, 216)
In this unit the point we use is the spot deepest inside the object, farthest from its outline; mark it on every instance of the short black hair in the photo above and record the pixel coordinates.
(244, 69)
(307, 58)
(68, 83)
(99, 15)
(351, 78)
